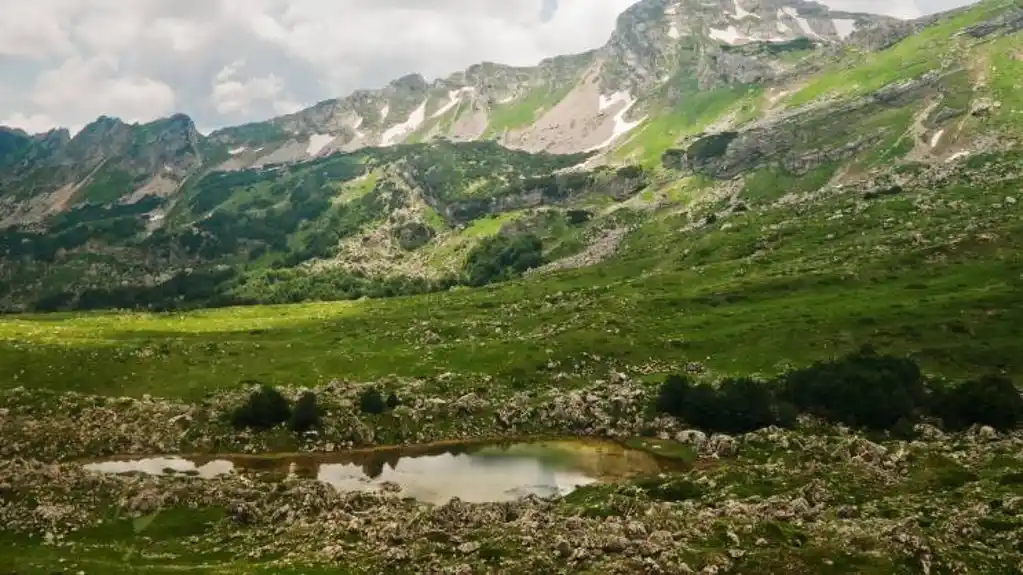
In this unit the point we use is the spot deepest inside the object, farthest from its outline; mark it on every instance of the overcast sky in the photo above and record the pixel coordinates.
(225, 62)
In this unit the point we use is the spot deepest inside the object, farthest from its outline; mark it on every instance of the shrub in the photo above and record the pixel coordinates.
(306, 414)
(863, 389)
(991, 400)
(371, 402)
(743, 405)
(392, 401)
(264, 409)
(673, 394)
(503, 257)
(737, 405)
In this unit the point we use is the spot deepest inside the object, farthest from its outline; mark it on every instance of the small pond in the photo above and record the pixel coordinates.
(480, 472)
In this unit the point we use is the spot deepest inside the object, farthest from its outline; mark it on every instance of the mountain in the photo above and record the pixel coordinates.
(711, 109)
(565, 104)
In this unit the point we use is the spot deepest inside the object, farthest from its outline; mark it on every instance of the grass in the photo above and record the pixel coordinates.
(694, 110)
(662, 448)
(353, 190)
(819, 286)
(770, 183)
(1006, 83)
(861, 73)
(525, 110)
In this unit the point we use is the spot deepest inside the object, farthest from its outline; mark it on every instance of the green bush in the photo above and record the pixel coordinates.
(864, 389)
(265, 408)
(737, 405)
(371, 402)
(392, 401)
(992, 400)
(503, 257)
(306, 414)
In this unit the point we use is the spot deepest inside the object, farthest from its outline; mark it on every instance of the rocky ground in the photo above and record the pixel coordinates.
(812, 500)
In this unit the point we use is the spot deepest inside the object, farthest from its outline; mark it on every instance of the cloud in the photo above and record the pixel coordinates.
(84, 89)
(34, 124)
(68, 61)
(234, 97)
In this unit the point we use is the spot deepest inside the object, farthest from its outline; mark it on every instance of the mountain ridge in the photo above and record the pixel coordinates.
(579, 166)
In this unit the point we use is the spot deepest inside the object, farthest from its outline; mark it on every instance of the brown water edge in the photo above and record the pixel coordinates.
(480, 470)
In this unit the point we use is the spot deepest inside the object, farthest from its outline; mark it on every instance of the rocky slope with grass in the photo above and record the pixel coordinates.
(813, 497)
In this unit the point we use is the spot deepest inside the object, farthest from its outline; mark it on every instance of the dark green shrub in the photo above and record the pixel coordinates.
(577, 217)
(371, 402)
(737, 405)
(743, 405)
(392, 401)
(991, 400)
(306, 414)
(863, 389)
(673, 394)
(503, 257)
(265, 408)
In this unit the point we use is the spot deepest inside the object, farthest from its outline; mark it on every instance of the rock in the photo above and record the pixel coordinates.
(564, 549)
(468, 547)
(693, 437)
(987, 433)
(615, 544)
(635, 530)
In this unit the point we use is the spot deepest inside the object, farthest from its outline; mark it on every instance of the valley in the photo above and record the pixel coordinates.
(773, 248)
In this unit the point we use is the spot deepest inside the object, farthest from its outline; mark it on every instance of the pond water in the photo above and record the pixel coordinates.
(482, 472)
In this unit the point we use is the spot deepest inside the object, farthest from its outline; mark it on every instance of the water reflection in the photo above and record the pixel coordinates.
(472, 472)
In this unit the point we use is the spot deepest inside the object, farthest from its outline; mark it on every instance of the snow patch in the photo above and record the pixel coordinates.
(384, 112)
(673, 32)
(730, 35)
(740, 13)
(957, 156)
(237, 150)
(803, 22)
(415, 119)
(621, 126)
(506, 99)
(454, 97)
(845, 27)
(937, 138)
(671, 10)
(317, 142)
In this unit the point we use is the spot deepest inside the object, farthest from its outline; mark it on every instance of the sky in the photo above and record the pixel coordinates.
(226, 62)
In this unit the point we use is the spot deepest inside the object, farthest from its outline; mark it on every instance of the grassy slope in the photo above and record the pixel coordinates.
(525, 110)
(862, 73)
(771, 288)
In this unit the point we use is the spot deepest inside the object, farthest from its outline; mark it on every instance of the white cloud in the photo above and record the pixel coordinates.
(80, 90)
(34, 124)
(68, 61)
(28, 29)
(233, 97)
